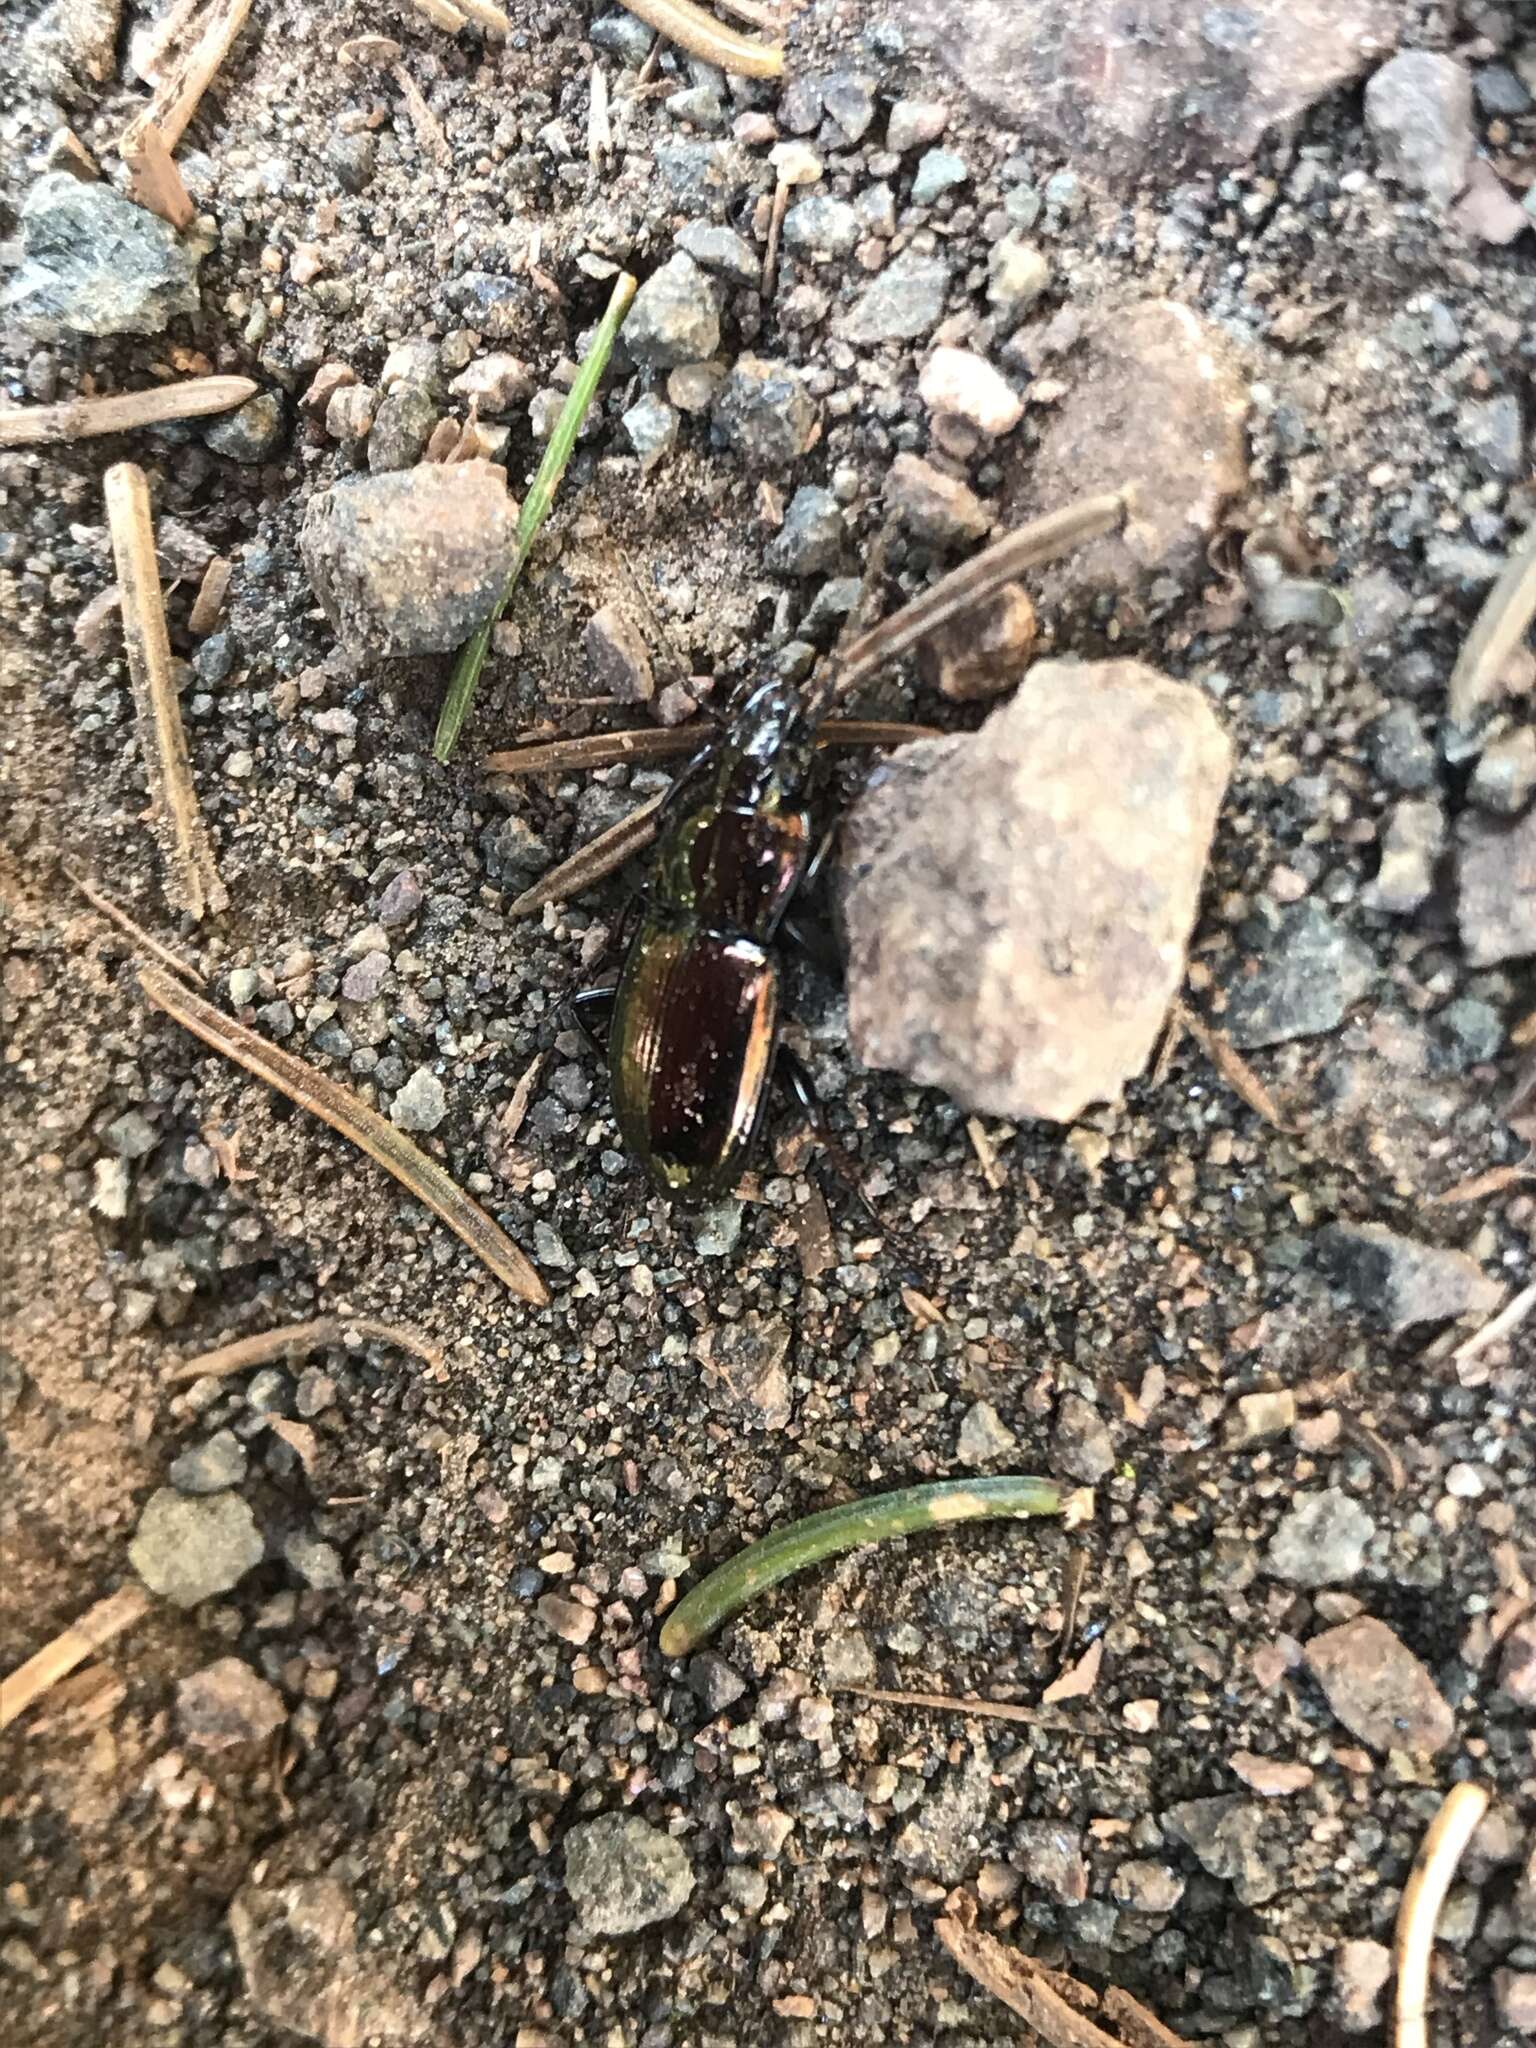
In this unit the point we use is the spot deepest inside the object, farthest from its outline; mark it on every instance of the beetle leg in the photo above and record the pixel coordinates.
(589, 1006)
(811, 938)
(819, 859)
(791, 1071)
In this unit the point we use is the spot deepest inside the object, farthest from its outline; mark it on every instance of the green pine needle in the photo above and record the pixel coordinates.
(541, 495)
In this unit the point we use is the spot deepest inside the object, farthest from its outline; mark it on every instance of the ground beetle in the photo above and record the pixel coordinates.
(693, 1039)
(693, 1034)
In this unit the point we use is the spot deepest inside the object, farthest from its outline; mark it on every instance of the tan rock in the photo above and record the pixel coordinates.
(1018, 902)
(411, 560)
(1378, 1688)
(985, 652)
(1157, 399)
(297, 1947)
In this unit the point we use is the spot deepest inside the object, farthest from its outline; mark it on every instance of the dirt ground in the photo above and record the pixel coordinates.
(463, 1572)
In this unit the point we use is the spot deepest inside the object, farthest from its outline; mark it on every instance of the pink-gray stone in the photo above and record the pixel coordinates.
(1378, 1688)
(1156, 399)
(1496, 890)
(1018, 901)
(1150, 85)
(1419, 109)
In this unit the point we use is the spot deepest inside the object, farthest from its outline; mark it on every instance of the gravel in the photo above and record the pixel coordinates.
(617, 659)
(1400, 1283)
(1378, 1688)
(764, 413)
(226, 1704)
(1418, 107)
(1304, 976)
(1321, 1541)
(253, 432)
(903, 303)
(211, 1466)
(675, 317)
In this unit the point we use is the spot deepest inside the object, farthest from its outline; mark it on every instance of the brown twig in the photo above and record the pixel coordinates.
(587, 866)
(153, 179)
(776, 214)
(1376, 1448)
(967, 1703)
(1071, 1600)
(118, 916)
(986, 1153)
(78, 419)
(1494, 1182)
(191, 870)
(363, 1126)
(209, 602)
(178, 94)
(1434, 1867)
(661, 743)
(295, 1340)
(681, 22)
(1496, 632)
(428, 128)
(1005, 560)
(1034, 1993)
(1232, 1067)
(82, 1639)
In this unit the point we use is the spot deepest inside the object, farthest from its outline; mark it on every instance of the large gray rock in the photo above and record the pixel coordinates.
(1398, 1282)
(190, 1549)
(623, 1874)
(1161, 86)
(1018, 902)
(94, 263)
(412, 561)
(1419, 109)
(1157, 400)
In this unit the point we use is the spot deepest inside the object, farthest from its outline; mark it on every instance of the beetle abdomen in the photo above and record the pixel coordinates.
(690, 1052)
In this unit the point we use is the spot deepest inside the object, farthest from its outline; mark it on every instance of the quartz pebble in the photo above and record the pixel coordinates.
(956, 381)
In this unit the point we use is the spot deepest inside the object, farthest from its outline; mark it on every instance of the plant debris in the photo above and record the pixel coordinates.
(541, 495)
(342, 1110)
(296, 1340)
(191, 872)
(827, 1534)
(79, 419)
(82, 1639)
(1434, 1868)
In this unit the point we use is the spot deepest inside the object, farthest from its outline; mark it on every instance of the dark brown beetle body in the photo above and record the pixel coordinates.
(694, 1034)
